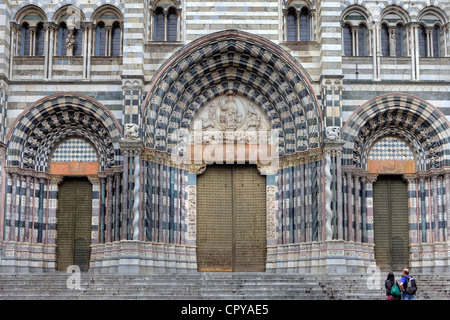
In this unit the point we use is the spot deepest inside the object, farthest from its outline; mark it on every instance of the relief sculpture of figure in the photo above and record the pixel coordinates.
(69, 43)
(254, 119)
(232, 116)
(210, 121)
(131, 131)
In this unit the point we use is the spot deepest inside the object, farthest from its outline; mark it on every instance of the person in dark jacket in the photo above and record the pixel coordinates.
(389, 283)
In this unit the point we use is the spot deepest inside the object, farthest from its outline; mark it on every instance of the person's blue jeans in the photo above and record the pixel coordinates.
(409, 296)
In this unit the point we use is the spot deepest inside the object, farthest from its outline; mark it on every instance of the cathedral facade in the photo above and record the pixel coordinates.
(147, 136)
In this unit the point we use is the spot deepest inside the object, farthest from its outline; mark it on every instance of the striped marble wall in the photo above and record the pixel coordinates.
(257, 17)
(5, 18)
(165, 199)
(300, 203)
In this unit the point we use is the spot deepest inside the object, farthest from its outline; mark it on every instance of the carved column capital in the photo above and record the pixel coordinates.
(94, 180)
(371, 178)
(131, 147)
(196, 168)
(56, 179)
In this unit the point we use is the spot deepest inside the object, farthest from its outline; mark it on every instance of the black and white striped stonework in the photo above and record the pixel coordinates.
(405, 116)
(49, 121)
(246, 65)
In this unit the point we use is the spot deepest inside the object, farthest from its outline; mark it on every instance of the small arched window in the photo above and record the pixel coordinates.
(291, 25)
(40, 38)
(166, 23)
(63, 32)
(399, 40)
(355, 36)
(172, 25)
(108, 24)
(116, 39)
(362, 38)
(436, 41)
(25, 40)
(305, 25)
(385, 45)
(348, 40)
(431, 37)
(100, 40)
(423, 50)
(78, 42)
(159, 24)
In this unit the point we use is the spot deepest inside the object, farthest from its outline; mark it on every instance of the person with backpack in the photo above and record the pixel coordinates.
(408, 286)
(392, 288)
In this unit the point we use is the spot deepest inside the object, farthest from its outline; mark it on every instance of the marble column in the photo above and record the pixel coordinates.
(413, 213)
(370, 180)
(447, 205)
(96, 226)
(28, 207)
(132, 150)
(350, 206)
(332, 151)
(54, 183)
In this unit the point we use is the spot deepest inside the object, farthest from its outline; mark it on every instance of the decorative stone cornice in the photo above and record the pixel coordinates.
(27, 172)
(311, 155)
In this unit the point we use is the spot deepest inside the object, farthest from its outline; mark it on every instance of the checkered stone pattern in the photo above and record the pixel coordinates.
(56, 118)
(245, 64)
(400, 115)
(132, 103)
(74, 150)
(390, 149)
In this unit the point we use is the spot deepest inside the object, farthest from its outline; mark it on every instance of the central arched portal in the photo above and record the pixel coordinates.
(231, 219)
(229, 98)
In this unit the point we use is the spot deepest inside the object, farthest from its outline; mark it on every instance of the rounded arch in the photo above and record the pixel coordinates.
(165, 4)
(241, 62)
(28, 10)
(40, 128)
(388, 14)
(412, 119)
(107, 9)
(439, 14)
(299, 4)
(358, 10)
(72, 15)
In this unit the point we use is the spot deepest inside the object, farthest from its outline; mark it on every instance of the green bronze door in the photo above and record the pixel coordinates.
(391, 229)
(231, 223)
(74, 224)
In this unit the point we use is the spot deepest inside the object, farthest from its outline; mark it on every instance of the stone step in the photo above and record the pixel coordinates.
(231, 286)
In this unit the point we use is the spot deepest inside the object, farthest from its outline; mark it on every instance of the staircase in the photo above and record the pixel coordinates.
(208, 286)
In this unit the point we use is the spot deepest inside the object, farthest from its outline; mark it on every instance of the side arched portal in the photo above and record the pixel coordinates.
(403, 122)
(43, 136)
